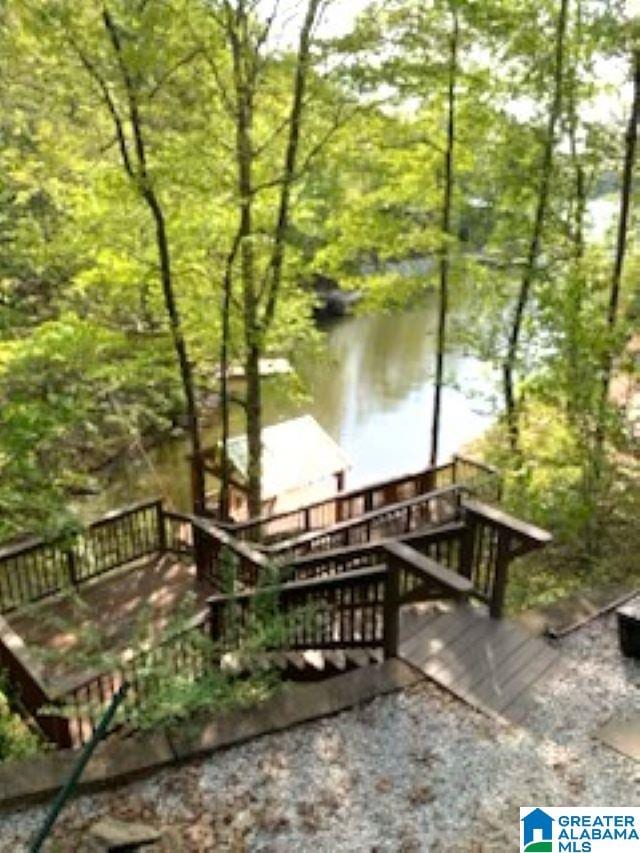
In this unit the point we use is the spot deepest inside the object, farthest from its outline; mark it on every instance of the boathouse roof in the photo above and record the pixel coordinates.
(296, 453)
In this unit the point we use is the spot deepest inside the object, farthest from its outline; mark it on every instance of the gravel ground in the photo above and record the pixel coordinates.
(417, 771)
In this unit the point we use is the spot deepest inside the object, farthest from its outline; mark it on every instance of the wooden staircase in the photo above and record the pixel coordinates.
(375, 578)
(318, 664)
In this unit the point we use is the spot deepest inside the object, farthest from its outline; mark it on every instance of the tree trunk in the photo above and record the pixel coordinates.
(274, 272)
(264, 292)
(139, 175)
(446, 235)
(224, 509)
(242, 50)
(575, 294)
(620, 257)
(186, 373)
(533, 254)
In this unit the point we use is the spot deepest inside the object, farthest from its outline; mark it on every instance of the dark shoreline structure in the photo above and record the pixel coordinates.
(331, 299)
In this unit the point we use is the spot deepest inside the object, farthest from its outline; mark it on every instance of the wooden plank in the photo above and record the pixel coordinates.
(491, 689)
(493, 665)
(436, 637)
(438, 633)
(489, 654)
(358, 657)
(336, 659)
(440, 575)
(296, 659)
(416, 618)
(449, 666)
(314, 659)
(520, 689)
(522, 670)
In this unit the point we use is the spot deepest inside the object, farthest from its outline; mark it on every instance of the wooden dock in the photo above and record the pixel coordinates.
(492, 665)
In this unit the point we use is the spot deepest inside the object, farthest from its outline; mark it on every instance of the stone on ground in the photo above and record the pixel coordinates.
(109, 835)
(622, 733)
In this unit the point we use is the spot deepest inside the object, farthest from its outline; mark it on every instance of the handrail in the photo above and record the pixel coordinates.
(536, 536)
(359, 491)
(341, 611)
(291, 544)
(37, 568)
(323, 563)
(476, 463)
(354, 620)
(34, 542)
(298, 586)
(242, 549)
(417, 563)
(423, 480)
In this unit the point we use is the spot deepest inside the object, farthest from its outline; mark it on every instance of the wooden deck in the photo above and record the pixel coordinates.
(107, 614)
(493, 665)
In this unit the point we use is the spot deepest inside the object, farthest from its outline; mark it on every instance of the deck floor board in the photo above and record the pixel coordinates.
(493, 665)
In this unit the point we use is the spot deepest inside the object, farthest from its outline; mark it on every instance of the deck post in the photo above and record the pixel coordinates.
(204, 556)
(215, 623)
(468, 546)
(72, 565)
(162, 530)
(499, 589)
(58, 729)
(392, 609)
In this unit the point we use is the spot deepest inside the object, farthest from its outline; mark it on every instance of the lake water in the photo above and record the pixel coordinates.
(371, 389)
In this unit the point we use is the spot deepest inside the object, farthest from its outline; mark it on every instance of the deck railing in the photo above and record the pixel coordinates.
(179, 653)
(442, 545)
(212, 543)
(37, 569)
(426, 510)
(347, 598)
(482, 479)
(358, 608)
(491, 541)
(343, 611)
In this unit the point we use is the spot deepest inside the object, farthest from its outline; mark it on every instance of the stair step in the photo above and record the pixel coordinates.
(296, 659)
(364, 657)
(337, 659)
(314, 659)
(359, 657)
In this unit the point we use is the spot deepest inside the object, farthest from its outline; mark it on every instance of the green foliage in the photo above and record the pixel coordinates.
(211, 678)
(16, 739)
(596, 536)
(171, 698)
(71, 395)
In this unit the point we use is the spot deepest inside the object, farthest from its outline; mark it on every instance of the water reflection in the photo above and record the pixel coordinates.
(372, 391)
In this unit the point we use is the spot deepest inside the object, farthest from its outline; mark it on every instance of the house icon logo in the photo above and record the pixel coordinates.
(537, 832)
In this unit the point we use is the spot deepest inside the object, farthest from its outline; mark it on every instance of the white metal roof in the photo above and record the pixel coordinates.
(295, 453)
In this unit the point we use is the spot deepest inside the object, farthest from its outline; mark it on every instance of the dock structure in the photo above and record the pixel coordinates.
(301, 463)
